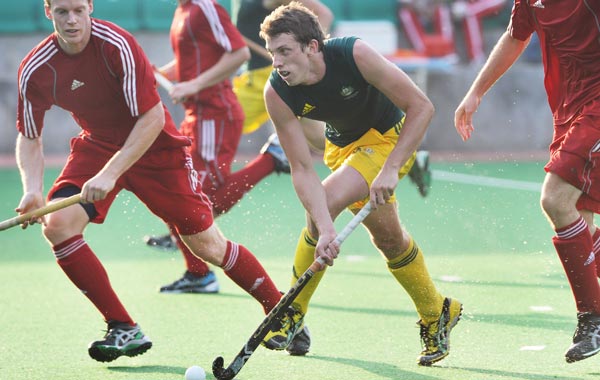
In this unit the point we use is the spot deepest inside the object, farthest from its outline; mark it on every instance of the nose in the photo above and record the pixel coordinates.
(71, 19)
(276, 62)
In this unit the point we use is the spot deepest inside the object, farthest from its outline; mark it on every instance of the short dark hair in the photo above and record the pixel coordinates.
(294, 19)
(48, 3)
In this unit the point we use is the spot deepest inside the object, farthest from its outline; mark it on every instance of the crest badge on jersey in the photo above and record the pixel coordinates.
(348, 92)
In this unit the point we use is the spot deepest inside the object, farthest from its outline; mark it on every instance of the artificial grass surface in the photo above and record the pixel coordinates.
(489, 247)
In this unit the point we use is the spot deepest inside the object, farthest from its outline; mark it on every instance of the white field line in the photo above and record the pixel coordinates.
(532, 348)
(441, 175)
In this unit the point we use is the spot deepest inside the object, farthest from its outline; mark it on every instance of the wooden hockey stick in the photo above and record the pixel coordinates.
(20, 219)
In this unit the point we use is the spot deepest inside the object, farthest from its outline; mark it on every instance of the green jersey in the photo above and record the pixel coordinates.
(249, 17)
(343, 99)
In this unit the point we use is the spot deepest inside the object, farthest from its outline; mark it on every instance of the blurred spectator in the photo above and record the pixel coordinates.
(428, 25)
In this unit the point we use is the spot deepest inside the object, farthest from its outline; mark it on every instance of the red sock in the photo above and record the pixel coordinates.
(239, 183)
(87, 273)
(193, 264)
(596, 248)
(244, 269)
(573, 244)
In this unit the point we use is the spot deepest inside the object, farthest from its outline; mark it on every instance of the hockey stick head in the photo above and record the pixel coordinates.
(219, 371)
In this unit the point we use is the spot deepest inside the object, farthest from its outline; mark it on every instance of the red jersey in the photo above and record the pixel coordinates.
(106, 87)
(201, 33)
(569, 37)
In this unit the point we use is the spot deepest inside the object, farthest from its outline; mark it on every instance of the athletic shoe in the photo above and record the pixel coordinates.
(586, 340)
(436, 335)
(420, 174)
(273, 148)
(165, 242)
(284, 331)
(121, 339)
(300, 344)
(191, 283)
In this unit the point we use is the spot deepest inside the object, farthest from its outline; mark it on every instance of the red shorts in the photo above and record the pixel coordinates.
(215, 143)
(575, 154)
(165, 181)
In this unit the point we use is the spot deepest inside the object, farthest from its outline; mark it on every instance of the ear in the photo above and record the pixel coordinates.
(313, 46)
(91, 4)
(48, 12)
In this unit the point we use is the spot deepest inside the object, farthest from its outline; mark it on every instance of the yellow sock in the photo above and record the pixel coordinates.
(410, 271)
(305, 255)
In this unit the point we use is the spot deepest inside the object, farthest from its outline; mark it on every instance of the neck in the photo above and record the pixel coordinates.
(317, 68)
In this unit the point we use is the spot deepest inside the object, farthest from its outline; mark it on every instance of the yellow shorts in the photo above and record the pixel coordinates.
(367, 155)
(249, 87)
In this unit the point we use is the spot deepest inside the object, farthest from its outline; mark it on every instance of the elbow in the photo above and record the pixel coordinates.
(429, 109)
(158, 115)
(245, 53)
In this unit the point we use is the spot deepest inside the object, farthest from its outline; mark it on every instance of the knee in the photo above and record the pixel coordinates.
(390, 245)
(208, 245)
(58, 229)
(551, 205)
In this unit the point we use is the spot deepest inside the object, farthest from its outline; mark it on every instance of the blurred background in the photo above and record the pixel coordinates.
(513, 121)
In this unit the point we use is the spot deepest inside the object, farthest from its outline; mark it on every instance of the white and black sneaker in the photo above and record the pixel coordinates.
(273, 148)
(191, 283)
(420, 173)
(164, 242)
(586, 340)
(121, 339)
(300, 344)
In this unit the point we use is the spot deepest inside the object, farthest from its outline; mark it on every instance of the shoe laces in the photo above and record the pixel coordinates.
(289, 321)
(120, 336)
(431, 336)
(586, 327)
(434, 335)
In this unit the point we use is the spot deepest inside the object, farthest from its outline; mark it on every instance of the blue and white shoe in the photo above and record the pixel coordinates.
(273, 148)
(190, 283)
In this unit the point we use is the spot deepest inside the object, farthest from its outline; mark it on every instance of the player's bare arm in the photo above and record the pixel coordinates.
(504, 54)
(306, 182)
(225, 68)
(168, 70)
(402, 91)
(30, 160)
(145, 131)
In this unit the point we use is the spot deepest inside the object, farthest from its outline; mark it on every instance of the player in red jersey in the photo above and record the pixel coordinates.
(440, 13)
(569, 37)
(97, 72)
(209, 50)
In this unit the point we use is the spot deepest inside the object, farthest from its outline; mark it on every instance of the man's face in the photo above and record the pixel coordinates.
(289, 58)
(72, 23)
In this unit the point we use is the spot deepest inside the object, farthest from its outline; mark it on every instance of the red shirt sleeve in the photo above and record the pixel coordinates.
(521, 24)
(134, 72)
(32, 104)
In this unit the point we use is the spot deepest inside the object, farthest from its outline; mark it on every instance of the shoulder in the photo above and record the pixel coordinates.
(39, 55)
(340, 44)
(112, 33)
(115, 43)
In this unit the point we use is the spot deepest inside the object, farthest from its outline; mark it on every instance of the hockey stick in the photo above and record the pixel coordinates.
(163, 81)
(275, 314)
(20, 219)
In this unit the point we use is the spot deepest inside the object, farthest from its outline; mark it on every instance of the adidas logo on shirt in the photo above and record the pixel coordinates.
(76, 84)
(307, 108)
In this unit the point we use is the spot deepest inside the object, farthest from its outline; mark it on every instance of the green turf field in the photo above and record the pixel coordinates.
(485, 240)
